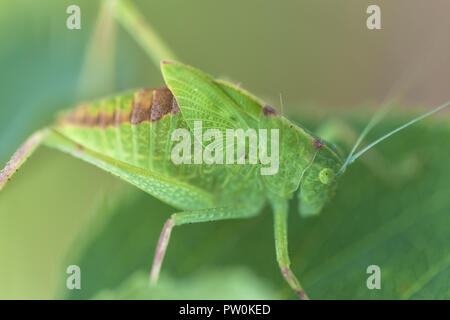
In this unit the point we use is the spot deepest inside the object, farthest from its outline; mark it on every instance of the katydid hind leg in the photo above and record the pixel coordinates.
(21, 155)
(205, 215)
(280, 208)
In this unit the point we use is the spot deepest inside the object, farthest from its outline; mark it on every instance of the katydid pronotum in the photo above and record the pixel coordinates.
(130, 135)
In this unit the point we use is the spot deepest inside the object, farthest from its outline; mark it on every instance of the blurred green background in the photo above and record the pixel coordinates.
(323, 61)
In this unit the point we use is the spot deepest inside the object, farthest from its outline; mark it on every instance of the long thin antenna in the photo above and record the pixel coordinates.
(133, 21)
(387, 135)
(372, 123)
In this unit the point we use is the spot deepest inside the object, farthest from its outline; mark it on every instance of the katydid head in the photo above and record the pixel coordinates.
(319, 183)
(319, 180)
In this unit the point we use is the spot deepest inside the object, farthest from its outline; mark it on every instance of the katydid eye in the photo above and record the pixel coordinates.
(326, 176)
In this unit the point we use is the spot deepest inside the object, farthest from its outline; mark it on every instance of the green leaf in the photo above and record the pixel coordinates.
(221, 283)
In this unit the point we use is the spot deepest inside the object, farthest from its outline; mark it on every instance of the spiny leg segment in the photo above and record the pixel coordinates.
(205, 215)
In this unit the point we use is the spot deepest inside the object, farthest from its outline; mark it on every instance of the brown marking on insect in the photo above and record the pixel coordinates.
(90, 120)
(147, 105)
(105, 119)
(287, 274)
(175, 107)
(75, 116)
(80, 116)
(268, 111)
(161, 105)
(120, 117)
(317, 144)
(140, 106)
(80, 148)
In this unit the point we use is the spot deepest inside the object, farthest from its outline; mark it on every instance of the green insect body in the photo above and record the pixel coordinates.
(136, 129)
(131, 136)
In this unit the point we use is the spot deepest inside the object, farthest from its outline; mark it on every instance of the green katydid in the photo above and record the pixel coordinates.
(131, 136)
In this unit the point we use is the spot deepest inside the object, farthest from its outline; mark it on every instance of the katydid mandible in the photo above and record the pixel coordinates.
(131, 136)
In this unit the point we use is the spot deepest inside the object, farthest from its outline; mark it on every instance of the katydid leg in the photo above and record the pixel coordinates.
(205, 215)
(21, 155)
(280, 208)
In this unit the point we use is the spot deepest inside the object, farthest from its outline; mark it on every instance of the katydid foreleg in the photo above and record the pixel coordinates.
(280, 210)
